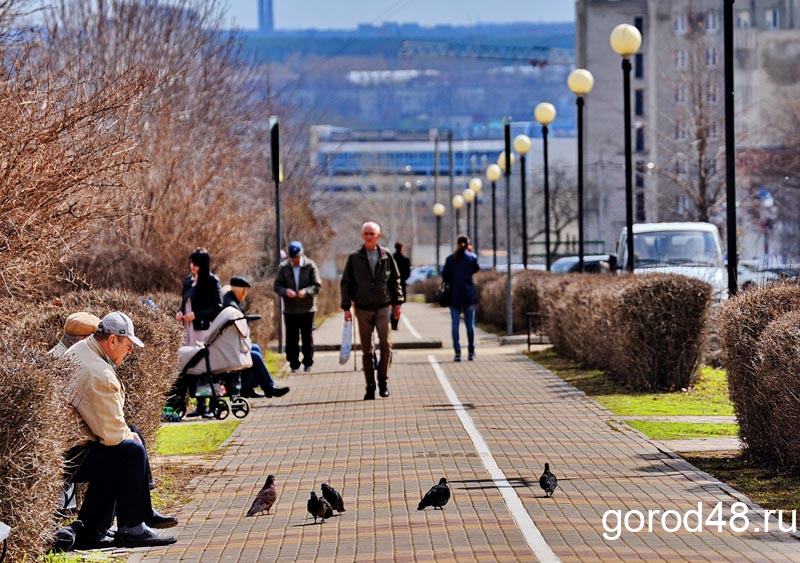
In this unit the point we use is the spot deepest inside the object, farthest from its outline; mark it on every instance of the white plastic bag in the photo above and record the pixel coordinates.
(347, 342)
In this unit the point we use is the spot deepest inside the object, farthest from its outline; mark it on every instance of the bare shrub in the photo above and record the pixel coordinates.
(779, 389)
(743, 321)
(427, 288)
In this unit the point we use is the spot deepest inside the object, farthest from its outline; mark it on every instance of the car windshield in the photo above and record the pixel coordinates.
(675, 248)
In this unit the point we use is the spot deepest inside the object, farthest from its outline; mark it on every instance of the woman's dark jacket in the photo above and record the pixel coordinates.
(458, 273)
(206, 299)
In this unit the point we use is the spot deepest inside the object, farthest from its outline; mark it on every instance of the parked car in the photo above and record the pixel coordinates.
(750, 275)
(515, 267)
(421, 273)
(692, 249)
(592, 264)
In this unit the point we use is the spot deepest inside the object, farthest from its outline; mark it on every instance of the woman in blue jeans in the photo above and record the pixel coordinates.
(458, 271)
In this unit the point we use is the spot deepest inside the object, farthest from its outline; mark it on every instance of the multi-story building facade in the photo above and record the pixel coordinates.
(677, 101)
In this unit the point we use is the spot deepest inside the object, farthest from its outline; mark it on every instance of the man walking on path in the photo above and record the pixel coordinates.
(298, 284)
(371, 282)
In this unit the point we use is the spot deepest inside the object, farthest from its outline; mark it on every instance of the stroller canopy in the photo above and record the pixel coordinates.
(227, 346)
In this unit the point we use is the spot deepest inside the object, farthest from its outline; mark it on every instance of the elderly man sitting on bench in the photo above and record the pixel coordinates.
(105, 453)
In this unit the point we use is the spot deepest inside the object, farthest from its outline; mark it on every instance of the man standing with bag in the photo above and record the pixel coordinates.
(371, 282)
(298, 284)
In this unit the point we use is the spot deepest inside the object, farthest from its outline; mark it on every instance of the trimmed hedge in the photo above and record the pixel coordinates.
(646, 331)
(760, 353)
(32, 405)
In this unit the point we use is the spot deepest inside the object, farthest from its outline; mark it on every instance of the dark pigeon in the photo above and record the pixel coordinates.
(548, 481)
(437, 497)
(318, 507)
(265, 497)
(333, 497)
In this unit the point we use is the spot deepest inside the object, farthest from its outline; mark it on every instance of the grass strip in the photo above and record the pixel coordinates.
(708, 397)
(193, 438)
(683, 430)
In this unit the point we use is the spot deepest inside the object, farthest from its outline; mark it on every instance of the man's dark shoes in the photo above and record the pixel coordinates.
(92, 539)
(384, 392)
(64, 538)
(276, 391)
(251, 394)
(160, 521)
(148, 538)
(370, 394)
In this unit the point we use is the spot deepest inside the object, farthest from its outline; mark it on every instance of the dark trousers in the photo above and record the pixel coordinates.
(299, 326)
(369, 322)
(118, 482)
(258, 375)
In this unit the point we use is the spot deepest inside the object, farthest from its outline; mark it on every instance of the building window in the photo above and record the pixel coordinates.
(641, 168)
(681, 168)
(711, 56)
(638, 105)
(680, 130)
(640, 139)
(712, 94)
(681, 92)
(640, 216)
(638, 65)
(772, 19)
(743, 19)
(680, 58)
(713, 130)
(679, 23)
(712, 21)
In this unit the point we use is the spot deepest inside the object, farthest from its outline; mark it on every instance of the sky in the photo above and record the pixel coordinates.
(347, 14)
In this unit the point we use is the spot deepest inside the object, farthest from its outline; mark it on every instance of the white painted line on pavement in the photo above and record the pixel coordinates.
(411, 329)
(524, 522)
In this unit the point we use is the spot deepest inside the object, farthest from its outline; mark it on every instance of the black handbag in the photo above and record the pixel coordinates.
(443, 294)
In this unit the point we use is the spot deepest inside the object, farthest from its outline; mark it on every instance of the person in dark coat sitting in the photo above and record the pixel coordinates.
(258, 375)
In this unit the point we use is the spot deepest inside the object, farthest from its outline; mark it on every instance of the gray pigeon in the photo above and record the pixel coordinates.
(318, 507)
(436, 497)
(333, 497)
(265, 497)
(548, 481)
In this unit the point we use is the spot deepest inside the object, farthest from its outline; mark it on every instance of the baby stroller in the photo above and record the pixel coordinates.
(210, 368)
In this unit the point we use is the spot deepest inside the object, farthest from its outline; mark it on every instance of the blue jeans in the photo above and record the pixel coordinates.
(469, 321)
(258, 375)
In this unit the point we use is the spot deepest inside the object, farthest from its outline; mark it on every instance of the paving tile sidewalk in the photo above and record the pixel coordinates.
(383, 454)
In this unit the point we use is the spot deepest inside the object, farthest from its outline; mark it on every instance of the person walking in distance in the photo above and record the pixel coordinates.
(404, 267)
(298, 284)
(458, 271)
(371, 283)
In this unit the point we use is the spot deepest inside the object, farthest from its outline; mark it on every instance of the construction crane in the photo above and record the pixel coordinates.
(534, 56)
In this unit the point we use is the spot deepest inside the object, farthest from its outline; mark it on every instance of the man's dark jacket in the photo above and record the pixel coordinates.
(309, 280)
(370, 290)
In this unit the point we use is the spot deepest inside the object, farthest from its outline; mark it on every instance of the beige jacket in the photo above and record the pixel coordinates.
(97, 396)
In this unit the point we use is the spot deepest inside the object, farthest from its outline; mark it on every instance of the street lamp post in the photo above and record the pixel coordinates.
(458, 203)
(522, 144)
(545, 113)
(469, 197)
(580, 82)
(493, 174)
(730, 148)
(507, 159)
(438, 210)
(625, 40)
(475, 185)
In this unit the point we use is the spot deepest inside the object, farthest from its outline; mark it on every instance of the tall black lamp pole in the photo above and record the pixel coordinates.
(730, 149)
(580, 82)
(522, 144)
(625, 41)
(493, 174)
(545, 113)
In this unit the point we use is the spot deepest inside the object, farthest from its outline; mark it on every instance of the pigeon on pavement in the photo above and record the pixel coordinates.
(318, 507)
(548, 481)
(436, 497)
(265, 497)
(333, 497)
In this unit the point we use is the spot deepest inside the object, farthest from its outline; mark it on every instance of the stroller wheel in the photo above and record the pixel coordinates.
(240, 407)
(179, 412)
(221, 409)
